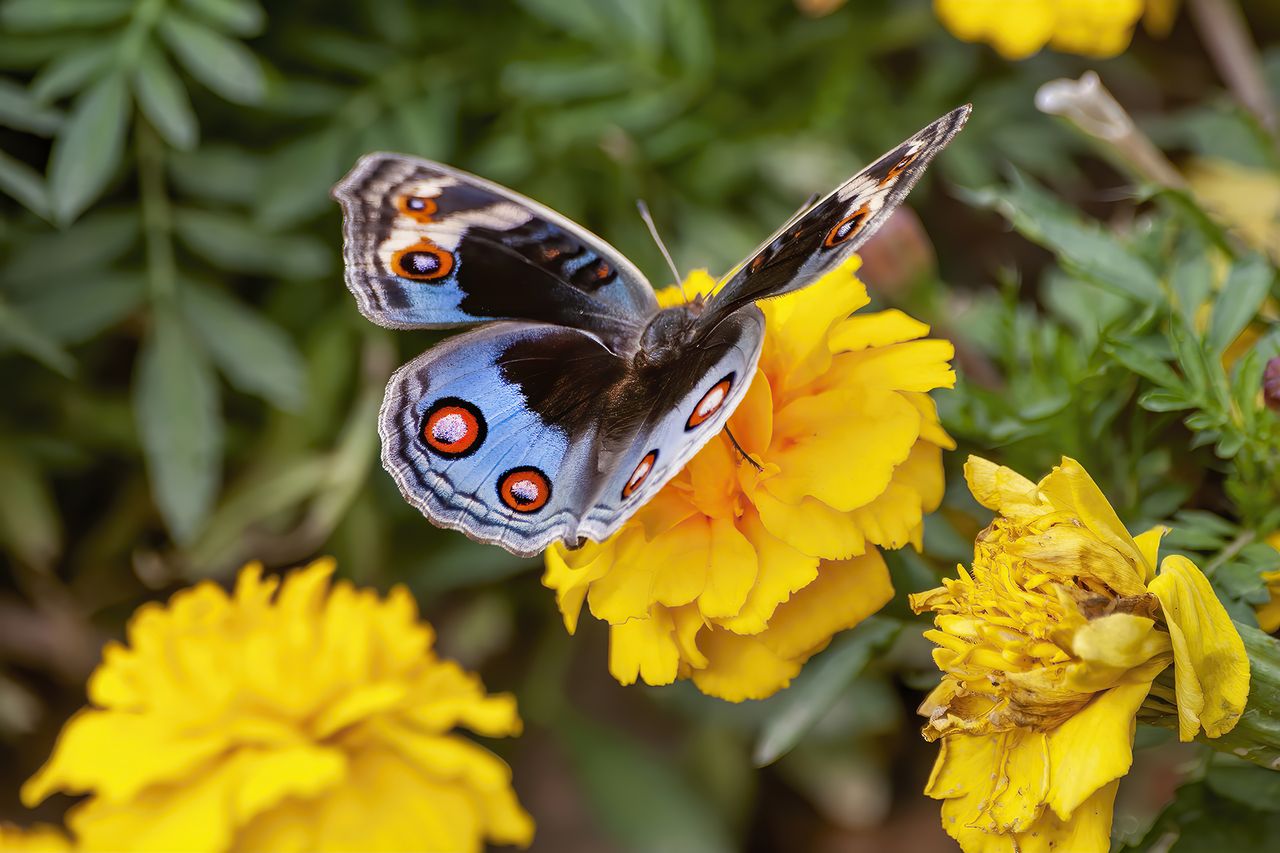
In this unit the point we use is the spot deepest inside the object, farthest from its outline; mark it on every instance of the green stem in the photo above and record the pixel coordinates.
(1229, 553)
(157, 214)
(1256, 736)
(1226, 37)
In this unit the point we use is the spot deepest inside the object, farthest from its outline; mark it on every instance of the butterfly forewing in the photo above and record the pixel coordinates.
(817, 240)
(427, 246)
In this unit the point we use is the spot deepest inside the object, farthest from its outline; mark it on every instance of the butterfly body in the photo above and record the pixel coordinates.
(578, 397)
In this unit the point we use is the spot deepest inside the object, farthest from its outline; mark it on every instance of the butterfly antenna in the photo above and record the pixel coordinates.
(662, 247)
(738, 447)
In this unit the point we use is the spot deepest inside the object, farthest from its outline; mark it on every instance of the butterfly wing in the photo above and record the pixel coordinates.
(520, 434)
(428, 246)
(818, 239)
(710, 379)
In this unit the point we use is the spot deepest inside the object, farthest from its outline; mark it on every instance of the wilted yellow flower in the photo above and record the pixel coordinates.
(40, 838)
(1020, 28)
(288, 716)
(1269, 614)
(734, 576)
(1048, 647)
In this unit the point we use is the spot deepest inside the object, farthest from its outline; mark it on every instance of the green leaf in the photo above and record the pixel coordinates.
(256, 355)
(163, 99)
(298, 178)
(218, 173)
(94, 242)
(73, 70)
(1145, 361)
(1083, 248)
(33, 16)
(179, 422)
(101, 301)
(1245, 783)
(819, 686)
(29, 524)
(233, 243)
(20, 110)
(89, 148)
(1247, 286)
(637, 797)
(238, 17)
(227, 67)
(18, 332)
(24, 184)
(1165, 401)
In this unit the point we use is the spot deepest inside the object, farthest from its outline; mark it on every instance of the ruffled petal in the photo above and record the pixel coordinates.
(740, 668)
(1070, 488)
(1093, 747)
(1001, 489)
(842, 446)
(1211, 669)
(844, 593)
(645, 648)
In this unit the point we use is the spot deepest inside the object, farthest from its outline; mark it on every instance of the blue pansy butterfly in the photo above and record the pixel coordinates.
(577, 398)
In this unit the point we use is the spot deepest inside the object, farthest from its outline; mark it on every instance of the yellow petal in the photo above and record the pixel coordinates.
(912, 366)
(1087, 831)
(752, 422)
(843, 446)
(741, 668)
(782, 570)
(844, 593)
(731, 571)
(1211, 669)
(1070, 488)
(1067, 551)
(626, 590)
(1093, 747)
(1001, 489)
(645, 648)
(896, 517)
(876, 329)
(1149, 546)
(798, 323)
(117, 755)
(1113, 645)
(810, 526)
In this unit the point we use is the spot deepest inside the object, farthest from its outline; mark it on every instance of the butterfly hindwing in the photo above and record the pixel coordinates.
(818, 239)
(699, 396)
(522, 434)
(427, 246)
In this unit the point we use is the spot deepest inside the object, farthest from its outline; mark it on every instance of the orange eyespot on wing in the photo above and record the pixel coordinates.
(423, 261)
(418, 207)
(710, 403)
(846, 228)
(524, 489)
(642, 472)
(453, 428)
(900, 167)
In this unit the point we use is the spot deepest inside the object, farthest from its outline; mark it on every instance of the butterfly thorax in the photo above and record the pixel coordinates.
(669, 334)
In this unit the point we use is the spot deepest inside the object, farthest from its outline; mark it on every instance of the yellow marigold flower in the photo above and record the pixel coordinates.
(1269, 614)
(734, 576)
(1048, 646)
(293, 716)
(40, 838)
(1020, 28)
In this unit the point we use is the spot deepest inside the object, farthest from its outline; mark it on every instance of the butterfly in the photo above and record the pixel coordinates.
(577, 397)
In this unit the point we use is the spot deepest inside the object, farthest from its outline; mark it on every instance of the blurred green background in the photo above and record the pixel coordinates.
(187, 384)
